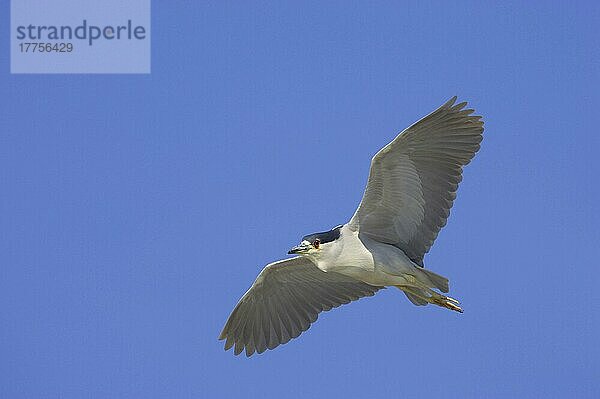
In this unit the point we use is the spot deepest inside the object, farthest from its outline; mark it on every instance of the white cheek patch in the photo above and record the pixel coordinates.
(311, 249)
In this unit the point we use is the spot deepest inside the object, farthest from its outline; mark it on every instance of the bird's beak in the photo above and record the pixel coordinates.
(299, 249)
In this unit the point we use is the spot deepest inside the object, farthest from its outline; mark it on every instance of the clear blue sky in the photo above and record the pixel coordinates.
(135, 210)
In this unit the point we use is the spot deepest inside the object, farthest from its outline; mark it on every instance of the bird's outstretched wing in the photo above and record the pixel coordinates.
(285, 299)
(413, 180)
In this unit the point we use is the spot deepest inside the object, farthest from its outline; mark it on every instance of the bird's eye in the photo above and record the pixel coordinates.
(316, 243)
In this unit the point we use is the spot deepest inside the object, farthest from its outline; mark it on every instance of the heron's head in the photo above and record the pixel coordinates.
(317, 244)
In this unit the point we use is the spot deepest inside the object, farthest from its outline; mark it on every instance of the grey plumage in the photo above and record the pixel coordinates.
(421, 170)
(411, 188)
(285, 299)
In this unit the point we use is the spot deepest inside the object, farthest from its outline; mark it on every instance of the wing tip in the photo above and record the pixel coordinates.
(450, 102)
(453, 107)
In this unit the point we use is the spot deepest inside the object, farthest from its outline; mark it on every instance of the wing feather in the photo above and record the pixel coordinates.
(284, 301)
(413, 180)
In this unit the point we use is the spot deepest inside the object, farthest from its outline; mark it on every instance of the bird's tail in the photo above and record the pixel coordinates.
(439, 282)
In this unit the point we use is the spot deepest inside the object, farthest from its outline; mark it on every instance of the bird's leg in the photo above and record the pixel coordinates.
(435, 298)
(452, 299)
(446, 302)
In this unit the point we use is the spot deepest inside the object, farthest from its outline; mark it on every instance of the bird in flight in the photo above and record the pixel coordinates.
(411, 187)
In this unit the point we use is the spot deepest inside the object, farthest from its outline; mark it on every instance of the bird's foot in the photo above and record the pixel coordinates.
(446, 302)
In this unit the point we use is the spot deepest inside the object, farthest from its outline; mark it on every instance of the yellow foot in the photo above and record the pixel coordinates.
(447, 302)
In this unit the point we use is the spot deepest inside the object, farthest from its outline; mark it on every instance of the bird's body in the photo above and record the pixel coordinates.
(374, 262)
(412, 186)
(364, 259)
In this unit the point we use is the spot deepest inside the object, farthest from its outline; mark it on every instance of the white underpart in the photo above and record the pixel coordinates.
(366, 260)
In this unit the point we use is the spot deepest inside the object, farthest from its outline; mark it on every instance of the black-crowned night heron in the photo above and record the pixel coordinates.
(412, 186)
